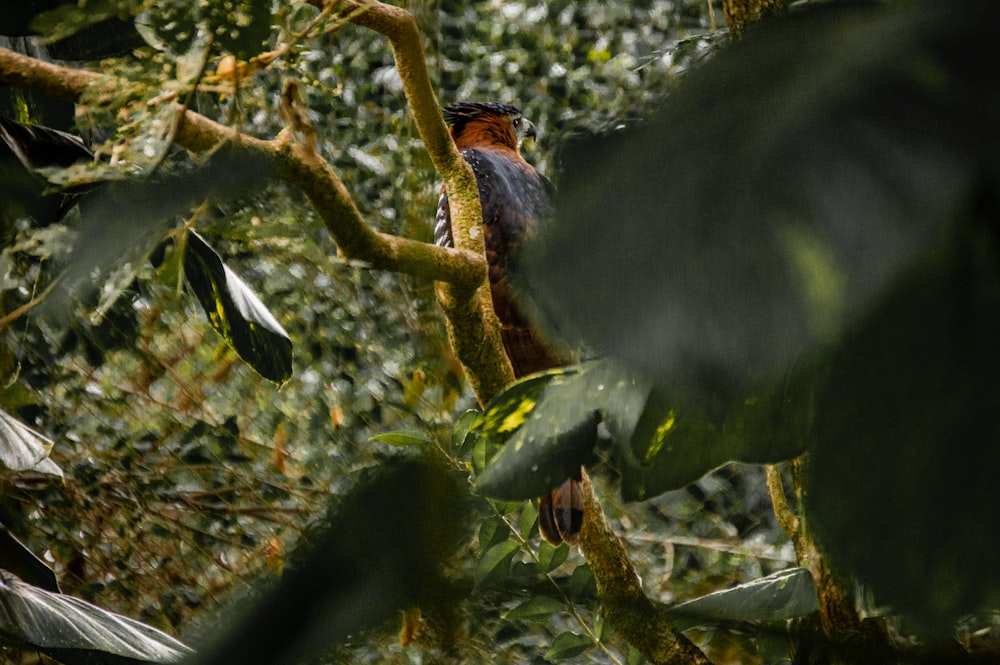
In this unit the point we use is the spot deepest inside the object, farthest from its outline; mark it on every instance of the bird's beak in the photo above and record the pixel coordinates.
(530, 132)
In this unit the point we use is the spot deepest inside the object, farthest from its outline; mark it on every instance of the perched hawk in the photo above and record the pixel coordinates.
(514, 198)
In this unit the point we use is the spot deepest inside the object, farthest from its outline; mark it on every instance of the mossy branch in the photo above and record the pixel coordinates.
(487, 366)
(640, 621)
(461, 272)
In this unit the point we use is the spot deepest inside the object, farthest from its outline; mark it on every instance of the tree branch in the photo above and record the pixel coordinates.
(640, 621)
(483, 357)
(461, 271)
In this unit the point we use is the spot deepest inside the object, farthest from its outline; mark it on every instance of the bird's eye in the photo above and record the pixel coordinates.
(517, 122)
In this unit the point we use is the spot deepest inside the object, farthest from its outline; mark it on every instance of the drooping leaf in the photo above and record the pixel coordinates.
(19, 560)
(549, 426)
(236, 312)
(408, 437)
(901, 483)
(75, 629)
(775, 198)
(787, 594)
(24, 449)
(125, 220)
(494, 564)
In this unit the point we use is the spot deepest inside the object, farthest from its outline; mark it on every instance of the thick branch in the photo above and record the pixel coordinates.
(292, 164)
(633, 615)
(486, 363)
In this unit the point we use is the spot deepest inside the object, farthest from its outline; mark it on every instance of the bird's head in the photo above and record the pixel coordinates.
(488, 124)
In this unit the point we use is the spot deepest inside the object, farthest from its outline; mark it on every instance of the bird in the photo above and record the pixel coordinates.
(515, 199)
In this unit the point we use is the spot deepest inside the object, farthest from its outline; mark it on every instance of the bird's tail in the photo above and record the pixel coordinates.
(560, 512)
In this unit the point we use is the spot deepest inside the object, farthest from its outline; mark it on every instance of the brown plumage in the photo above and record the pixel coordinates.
(515, 198)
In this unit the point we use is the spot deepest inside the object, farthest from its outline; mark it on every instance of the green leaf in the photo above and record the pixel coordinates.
(833, 185)
(236, 312)
(24, 449)
(582, 584)
(68, 626)
(492, 531)
(403, 437)
(674, 445)
(549, 426)
(494, 565)
(529, 519)
(901, 487)
(787, 594)
(539, 608)
(551, 557)
(462, 438)
(568, 645)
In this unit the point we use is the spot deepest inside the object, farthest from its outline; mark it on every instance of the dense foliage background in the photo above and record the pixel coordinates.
(188, 475)
(191, 481)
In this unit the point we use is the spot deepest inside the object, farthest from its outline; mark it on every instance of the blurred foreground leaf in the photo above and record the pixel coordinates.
(775, 198)
(801, 251)
(902, 479)
(548, 424)
(380, 553)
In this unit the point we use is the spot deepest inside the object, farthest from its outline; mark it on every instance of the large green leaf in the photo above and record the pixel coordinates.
(901, 484)
(773, 201)
(787, 594)
(236, 312)
(74, 631)
(816, 207)
(549, 425)
(677, 442)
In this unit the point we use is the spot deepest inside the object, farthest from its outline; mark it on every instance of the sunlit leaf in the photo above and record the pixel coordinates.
(787, 594)
(549, 426)
(236, 312)
(24, 449)
(68, 626)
